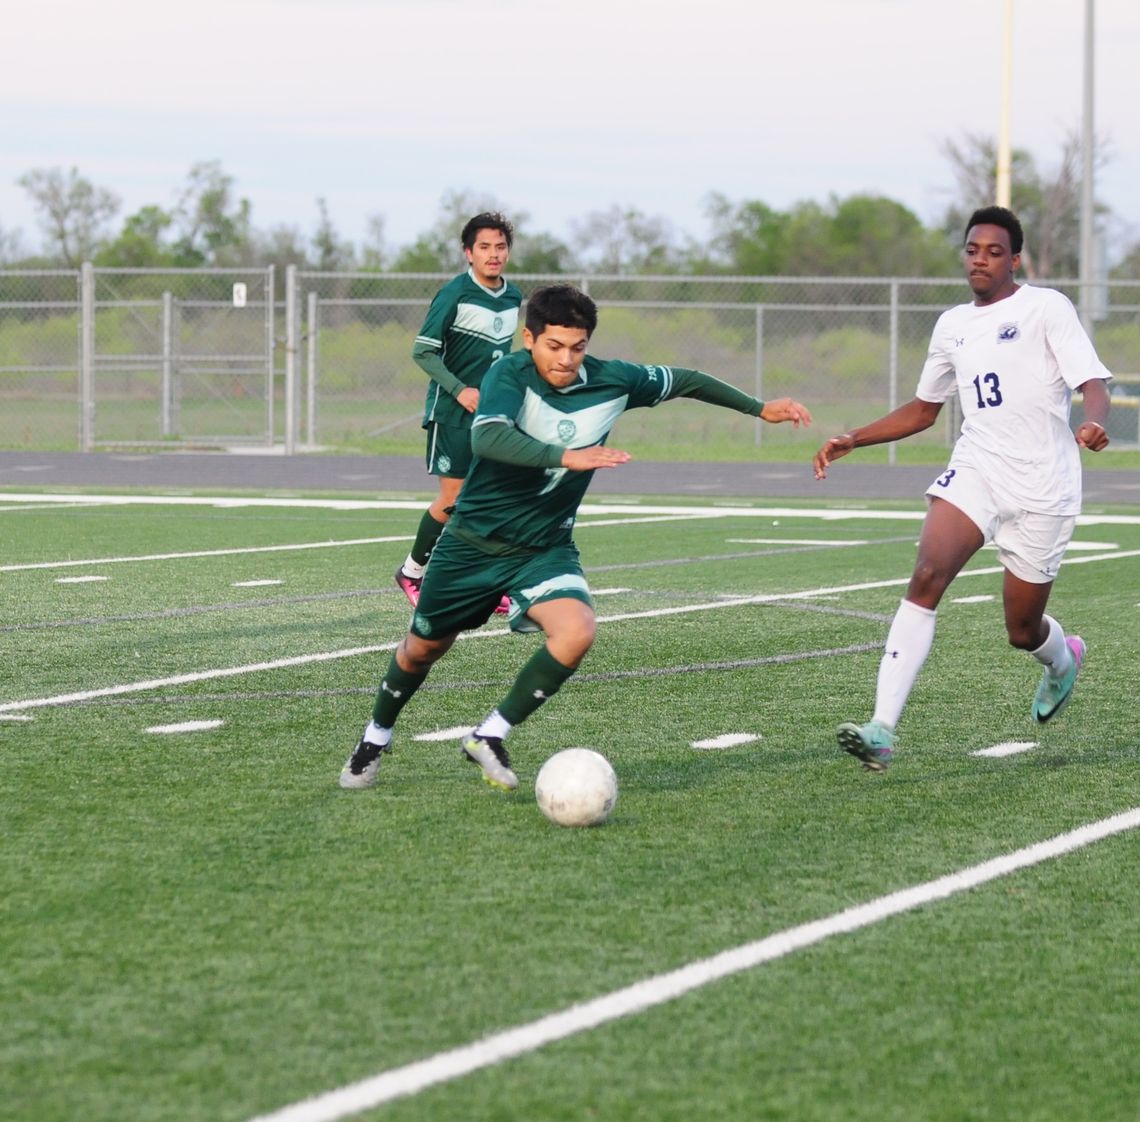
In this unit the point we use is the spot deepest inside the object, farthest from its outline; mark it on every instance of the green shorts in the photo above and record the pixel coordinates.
(463, 585)
(448, 450)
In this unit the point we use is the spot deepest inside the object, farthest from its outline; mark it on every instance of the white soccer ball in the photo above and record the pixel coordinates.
(576, 787)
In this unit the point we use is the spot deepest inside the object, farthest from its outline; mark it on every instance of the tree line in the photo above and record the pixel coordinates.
(210, 224)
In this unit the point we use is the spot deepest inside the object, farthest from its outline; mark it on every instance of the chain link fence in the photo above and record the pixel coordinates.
(211, 358)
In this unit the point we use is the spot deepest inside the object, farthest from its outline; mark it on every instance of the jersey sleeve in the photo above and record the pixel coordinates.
(651, 385)
(427, 350)
(1072, 348)
(938, 380)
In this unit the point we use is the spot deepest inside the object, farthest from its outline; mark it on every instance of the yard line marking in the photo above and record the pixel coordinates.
(1007, 748)
(354, 652)
(659, 989)
(800, 541)
(202, 553)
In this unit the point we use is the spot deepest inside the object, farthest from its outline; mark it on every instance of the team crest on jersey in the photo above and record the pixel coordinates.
(497, 325)
(444, 464)
(566, 431)
(1008, 332)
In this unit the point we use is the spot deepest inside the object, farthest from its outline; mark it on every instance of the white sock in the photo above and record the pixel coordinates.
(908, 643)
(412, 568)
(1054, 653)
(495, 725)
(374, 734)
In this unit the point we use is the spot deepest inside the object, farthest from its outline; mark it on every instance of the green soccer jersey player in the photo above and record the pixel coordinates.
(538, 437)
(471, 323)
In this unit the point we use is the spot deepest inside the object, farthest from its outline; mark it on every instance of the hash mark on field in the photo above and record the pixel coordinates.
(1007, 748)
(255, 583)
(445, 734)
(15, 717)
(726, 740)
(971, 599)
(186, 726)
(497, 1048)
(79, 580)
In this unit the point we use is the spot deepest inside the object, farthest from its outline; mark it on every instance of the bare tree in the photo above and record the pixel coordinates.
(1048, 204)
(72, 211)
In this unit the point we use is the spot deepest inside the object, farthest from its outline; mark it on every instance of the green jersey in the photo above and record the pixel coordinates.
(517, 495)
(466, 329)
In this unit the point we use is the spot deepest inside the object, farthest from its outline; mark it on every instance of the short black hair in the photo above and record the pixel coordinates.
(560, 305)
(488, 220)
(998, 216)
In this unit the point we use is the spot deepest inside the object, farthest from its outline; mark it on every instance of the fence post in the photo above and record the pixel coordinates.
(290, 359)
(311, 337)
(893, 364)
(167, 361)
(270, 348)
(759, 390)
(87, 357)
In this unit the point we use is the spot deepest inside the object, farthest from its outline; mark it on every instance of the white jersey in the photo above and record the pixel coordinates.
(1014, 365)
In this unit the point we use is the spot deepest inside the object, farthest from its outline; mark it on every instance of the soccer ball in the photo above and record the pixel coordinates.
(576, 787)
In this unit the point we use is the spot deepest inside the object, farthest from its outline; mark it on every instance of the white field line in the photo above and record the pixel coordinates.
(657, 990)
(354, 652)
(587, 510)
(1007, 748)
(203, 553)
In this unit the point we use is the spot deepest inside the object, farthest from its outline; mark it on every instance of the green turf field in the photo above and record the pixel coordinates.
(200, 925)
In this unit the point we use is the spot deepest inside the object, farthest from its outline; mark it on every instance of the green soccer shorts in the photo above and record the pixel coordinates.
(448, 450)
(463, 585)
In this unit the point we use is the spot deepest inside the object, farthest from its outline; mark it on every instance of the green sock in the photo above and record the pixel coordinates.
(541, 678)
(426, 537)
(396, 689)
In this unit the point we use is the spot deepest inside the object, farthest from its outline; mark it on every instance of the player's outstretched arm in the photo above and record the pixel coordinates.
(785, 409)
(915, 416)
(1091, 432)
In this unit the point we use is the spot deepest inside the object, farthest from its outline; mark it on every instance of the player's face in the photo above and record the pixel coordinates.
(488, 256)
(990, 264)
(557, 353)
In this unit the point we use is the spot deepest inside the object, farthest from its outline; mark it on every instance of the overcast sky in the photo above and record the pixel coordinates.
(555, 109)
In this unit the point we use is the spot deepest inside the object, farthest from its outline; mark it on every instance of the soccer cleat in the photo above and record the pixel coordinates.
(504, 606)
(1053, 694)
(871, 744)
(409, 586)
(363, 766)
(488, 752)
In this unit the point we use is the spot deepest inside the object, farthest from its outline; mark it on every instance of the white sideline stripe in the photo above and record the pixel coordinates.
(586, 510)
(203, 553)
(1007, 748)
(353, 652)
(661, 988)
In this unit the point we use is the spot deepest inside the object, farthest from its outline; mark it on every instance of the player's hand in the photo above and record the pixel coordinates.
(833, 449)
(785, 409)
(596, 456)
(468, 397)
(1091, 435)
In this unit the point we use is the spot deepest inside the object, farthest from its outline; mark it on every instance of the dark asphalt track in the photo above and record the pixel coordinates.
(384, 475)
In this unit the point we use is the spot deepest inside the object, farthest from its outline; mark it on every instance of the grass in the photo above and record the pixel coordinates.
(204, 926)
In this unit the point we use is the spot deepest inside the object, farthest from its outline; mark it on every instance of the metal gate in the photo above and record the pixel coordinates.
(177, 357)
